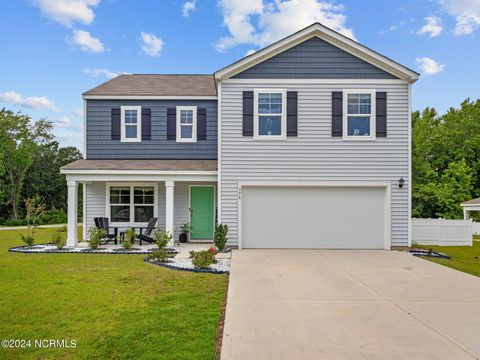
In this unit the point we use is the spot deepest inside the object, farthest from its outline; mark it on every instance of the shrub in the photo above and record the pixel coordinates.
(53, 216)
(59, 240)
(162, 238)
(127, 244)
(160, 255)
(220, 238)
(202, 259)
(11, 222)
(28, 239)
(128, 239)
(96, 235)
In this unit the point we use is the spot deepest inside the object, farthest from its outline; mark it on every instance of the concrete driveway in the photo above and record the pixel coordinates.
(317, 304)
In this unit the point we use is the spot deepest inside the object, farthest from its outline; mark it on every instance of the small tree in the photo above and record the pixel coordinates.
(34, 209)
(220, 239)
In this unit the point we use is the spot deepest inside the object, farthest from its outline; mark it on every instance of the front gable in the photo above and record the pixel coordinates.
(317, 52)
(314, 59)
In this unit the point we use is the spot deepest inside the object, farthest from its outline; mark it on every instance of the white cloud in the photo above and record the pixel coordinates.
(433, 26)
(261, 23)
(104, 72)
(394, 27)
(250, 52)
(67, 12)
(151, 44)
(428, 66)
(77, 112)
(188, 7)
(66, 123)
(87, 42)
(466, 14)
(33, 102)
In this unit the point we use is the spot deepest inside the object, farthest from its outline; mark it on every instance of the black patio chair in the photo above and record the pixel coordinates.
(102, 223)
(147, 234)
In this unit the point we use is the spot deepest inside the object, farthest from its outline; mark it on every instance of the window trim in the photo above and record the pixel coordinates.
(132, 222)
(373, 117)
(123, 134)
(256, 115)
(194, 124)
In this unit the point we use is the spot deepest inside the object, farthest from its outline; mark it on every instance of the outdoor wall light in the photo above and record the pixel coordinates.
(401, 182)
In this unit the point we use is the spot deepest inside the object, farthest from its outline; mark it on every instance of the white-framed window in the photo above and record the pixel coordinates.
(131, 124)
(270, 114)
(131, 204)
(186, 123)
(359, 114)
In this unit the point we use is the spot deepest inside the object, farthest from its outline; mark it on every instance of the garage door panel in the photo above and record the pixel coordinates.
(304, 217)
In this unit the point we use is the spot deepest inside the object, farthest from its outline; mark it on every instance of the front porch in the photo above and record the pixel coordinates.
(131, 192)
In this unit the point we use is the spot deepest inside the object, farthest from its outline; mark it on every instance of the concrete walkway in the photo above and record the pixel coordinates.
(315, 304)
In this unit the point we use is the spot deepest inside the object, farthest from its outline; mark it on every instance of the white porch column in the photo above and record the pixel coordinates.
(169, 200)
(72, 213)
(466, 214)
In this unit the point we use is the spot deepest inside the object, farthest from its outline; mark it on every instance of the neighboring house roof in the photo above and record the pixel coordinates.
(329, 36)
(471, 202)
(154, 165)
(156, 85)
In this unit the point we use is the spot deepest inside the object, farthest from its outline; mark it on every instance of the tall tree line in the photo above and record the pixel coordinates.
(30, 162)
(445, 160)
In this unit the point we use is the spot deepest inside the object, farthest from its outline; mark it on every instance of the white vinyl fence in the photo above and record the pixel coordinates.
(476, 228)
(442, 232)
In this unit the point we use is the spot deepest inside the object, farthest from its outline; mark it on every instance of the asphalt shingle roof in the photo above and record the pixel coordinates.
(173, 165)
(157, 85)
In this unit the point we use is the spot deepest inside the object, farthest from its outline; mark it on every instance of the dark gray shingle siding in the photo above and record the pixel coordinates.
(314, 59)
(101, 146)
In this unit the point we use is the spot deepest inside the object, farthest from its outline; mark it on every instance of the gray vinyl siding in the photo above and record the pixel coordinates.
(315, 155)
(96, 204)
(101, 146)
(314, 59)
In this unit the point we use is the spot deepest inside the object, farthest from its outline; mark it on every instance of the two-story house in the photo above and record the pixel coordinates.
(303, 144)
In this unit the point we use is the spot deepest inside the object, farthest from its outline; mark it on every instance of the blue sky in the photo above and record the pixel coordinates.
(53, 50)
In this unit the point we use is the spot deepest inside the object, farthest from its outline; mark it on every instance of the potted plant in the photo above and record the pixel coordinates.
(186, 229)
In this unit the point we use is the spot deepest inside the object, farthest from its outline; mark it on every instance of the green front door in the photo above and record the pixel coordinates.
(202, 211)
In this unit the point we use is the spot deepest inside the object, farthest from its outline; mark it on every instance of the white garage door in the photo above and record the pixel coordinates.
(313, 217)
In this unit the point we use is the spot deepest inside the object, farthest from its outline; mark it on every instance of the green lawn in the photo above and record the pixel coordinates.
(463, 258)
(114, 306)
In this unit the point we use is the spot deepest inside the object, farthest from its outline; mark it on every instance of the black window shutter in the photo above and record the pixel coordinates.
(201, 124)
(337, 113)
(248, 113)
(381, 114)
(292, 111)
(172, 124)
(146, 124)
(115, 123)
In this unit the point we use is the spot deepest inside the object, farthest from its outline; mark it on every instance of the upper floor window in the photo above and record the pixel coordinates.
(270, 114)
(359, 115)
(186, 123)
(131, 123)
